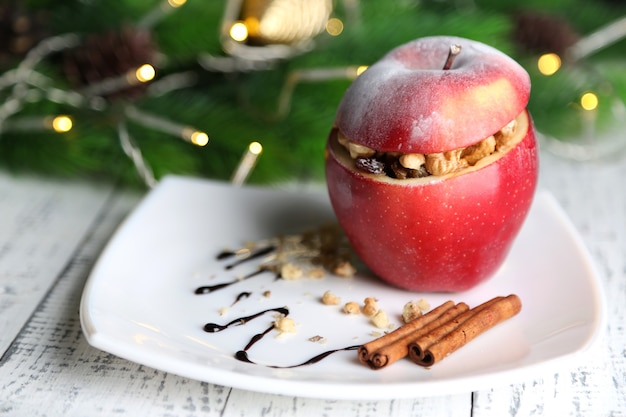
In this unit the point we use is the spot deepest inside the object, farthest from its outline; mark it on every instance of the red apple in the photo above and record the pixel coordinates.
(450, 223)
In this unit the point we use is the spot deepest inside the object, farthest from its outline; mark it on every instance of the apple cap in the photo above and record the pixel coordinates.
(406, 102)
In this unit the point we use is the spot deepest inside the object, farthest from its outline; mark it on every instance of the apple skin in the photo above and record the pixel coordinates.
(444, 235)
(406, 102)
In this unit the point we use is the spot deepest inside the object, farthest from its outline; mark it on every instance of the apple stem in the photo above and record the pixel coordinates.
(454, 51)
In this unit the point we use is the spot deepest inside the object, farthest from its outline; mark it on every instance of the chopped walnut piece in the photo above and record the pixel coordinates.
(474, 153)
(444, 162)
(291, 271)
(351, 307)
(370, 307)
(316, 273)
(380, 319)
(284, 324)
(267, 294)
(329, 298)
(344, 269)
(423, 305)
(415, 165)
(504, 136)
(411, 311)
(412, 160)
(360, 151)
(342, 139)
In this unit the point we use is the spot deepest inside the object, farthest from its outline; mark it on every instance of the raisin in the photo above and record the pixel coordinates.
(400, 172)
(370, 165)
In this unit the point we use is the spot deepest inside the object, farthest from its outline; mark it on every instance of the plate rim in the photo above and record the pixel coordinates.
(330, 389)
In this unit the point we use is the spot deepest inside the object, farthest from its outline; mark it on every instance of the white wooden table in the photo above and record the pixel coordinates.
(51, 232)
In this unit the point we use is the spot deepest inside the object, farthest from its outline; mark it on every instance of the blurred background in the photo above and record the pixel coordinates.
(131, 90)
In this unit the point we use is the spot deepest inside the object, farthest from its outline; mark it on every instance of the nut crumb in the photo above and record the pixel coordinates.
(284, 324)
(329, 298)
(223, 311)
(344, 269)
(414, 309)
(316, 273)
(267, 294)
(423, 305)
(380, 319)
(318, 339)
(370, 307)
(352, 307)
(291, 271)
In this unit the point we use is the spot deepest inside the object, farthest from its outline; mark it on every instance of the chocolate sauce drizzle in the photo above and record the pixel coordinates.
(241, 296)
(206, 289)
(242, 355)
(215, 327)
(250, 255)
(227, 254)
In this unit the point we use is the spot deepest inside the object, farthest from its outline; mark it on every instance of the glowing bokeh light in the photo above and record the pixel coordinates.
(62, 124)
(549, 64)
(589, 101)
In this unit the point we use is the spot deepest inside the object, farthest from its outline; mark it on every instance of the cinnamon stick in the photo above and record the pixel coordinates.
(399, 348)
(476, 321)
(366, 350)
(418, 346)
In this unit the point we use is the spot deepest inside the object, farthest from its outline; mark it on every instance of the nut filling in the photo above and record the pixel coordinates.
(415, 165)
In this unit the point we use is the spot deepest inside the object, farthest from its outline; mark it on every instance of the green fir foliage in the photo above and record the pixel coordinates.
(240, 107)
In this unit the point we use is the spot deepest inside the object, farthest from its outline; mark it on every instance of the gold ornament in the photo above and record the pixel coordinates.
(257, 33)
(285, 21)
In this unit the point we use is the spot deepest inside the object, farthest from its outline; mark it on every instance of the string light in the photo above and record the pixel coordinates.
(145, 73)
(247, 163)
(549, 64)
(157, 14)
(589, 101)
(62, 124)
(140, 75)
(176, 3)
(334, 26)
(196, 137)
(187, 133)
(239, 31)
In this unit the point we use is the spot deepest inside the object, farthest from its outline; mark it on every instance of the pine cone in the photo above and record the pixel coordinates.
(539, 33)
(20, 30)
(110, 55)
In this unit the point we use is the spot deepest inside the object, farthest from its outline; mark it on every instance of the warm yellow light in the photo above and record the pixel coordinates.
(334, 26)
(255, 148)
(62, 124)
(360, 70)
(145, 73)
(589, 101)
(199, 138)
(239, 32)
(549, 64)
(176, 3)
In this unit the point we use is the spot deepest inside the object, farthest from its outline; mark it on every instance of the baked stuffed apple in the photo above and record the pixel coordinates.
(432, 163)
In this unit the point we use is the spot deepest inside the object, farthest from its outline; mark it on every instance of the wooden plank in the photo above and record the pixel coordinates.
(41, 224)
(594, 197)
(52, 362)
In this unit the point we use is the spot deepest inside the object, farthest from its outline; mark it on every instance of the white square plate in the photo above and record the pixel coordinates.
(139, 302)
